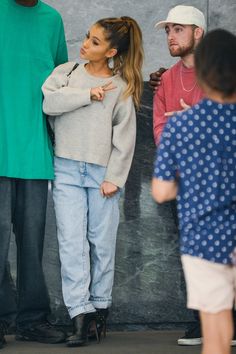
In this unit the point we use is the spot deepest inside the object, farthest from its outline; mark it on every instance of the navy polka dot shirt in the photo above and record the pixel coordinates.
(199, 148)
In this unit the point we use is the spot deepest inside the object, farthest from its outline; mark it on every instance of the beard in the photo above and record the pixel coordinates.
(182, 51)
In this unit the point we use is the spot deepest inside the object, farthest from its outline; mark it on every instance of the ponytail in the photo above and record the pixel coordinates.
(125, 35)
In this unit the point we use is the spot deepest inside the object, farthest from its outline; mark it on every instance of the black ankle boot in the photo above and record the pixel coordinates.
(101, 325)
(81, 324)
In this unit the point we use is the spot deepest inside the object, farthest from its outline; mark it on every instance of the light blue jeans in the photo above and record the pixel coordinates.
(87, 227)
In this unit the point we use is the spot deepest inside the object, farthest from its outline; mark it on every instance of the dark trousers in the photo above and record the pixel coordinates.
(23, 205)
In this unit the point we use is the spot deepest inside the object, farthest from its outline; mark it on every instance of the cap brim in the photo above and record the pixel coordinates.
(160, 24)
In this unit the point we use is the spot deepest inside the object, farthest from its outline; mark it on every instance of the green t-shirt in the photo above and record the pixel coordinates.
(32, 43)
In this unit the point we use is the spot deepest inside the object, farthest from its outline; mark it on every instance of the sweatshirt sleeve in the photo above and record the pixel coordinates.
(159, 109)
(59, 97)
(123, 142)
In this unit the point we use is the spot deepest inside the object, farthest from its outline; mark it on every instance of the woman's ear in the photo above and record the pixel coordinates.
(111, 53)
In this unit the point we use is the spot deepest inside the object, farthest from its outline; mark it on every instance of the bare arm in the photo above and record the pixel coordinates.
(163, 191)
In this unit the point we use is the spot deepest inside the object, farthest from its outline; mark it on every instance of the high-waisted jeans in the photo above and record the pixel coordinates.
(87, 227)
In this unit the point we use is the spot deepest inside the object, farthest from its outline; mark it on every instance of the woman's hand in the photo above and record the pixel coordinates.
(98, 93)
(108, 189)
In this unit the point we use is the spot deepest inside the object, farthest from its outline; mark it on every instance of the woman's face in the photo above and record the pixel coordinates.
(95, 47)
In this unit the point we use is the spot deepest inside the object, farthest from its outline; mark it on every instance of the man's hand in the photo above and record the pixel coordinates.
(184, 105)
(108, 189)
(155, 79)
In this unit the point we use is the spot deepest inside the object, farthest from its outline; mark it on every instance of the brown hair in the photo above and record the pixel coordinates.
(215, 61)
(125, 35)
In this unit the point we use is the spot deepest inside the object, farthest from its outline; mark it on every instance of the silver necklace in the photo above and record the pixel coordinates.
(181, 80)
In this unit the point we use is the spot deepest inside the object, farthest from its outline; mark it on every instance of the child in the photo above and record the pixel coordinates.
(197, 162)
(95, 131)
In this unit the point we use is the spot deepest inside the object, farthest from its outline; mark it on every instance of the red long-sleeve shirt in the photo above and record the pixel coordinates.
(176, 83)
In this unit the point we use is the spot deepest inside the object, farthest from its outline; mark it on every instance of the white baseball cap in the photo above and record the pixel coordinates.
(184, 15)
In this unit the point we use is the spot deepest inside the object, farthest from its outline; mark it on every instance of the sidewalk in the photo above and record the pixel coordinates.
(148, 342)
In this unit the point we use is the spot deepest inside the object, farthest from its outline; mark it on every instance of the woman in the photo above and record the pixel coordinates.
(95, 130)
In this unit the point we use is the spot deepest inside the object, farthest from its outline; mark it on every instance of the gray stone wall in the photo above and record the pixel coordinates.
(78, 16)
(149, 289)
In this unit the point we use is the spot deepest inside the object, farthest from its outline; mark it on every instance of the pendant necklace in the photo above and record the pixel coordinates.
(181, 80)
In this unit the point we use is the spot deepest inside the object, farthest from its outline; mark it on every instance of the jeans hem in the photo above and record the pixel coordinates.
(101, 304)
(81, 309)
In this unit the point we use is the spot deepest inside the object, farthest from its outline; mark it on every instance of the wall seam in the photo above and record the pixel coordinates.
(208, 14)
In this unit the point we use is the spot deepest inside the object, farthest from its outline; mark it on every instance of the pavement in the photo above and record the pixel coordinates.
(146, 342)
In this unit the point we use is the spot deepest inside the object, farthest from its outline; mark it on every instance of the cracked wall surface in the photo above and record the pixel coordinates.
(149, 289)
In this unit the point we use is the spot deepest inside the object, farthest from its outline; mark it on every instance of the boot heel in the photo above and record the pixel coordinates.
(96, 332)
(102, 315)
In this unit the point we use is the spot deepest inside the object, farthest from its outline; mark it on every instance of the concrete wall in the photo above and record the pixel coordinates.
(149, 289)
(79, 15)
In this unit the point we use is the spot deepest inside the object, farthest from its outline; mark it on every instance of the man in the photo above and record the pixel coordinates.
(195, 162)
(184, 26)
(32, 43)
(178, 88)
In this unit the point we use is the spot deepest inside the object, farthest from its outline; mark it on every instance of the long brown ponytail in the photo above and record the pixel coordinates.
(125, 35)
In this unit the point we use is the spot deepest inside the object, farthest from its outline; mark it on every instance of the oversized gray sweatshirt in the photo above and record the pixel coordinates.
(99, 132)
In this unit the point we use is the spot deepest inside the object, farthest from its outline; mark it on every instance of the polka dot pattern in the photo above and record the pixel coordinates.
(199, 146)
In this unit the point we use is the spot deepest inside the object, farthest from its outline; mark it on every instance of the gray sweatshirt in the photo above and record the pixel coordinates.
(99, 132)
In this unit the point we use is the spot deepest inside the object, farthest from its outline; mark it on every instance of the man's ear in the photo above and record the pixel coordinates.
(198, 33)
(111, 53)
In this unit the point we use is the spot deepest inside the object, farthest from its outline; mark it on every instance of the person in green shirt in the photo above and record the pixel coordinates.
(32, 43)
